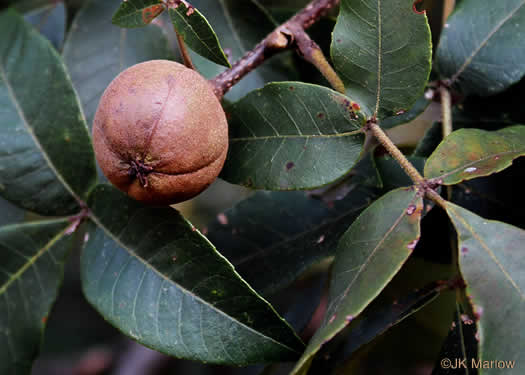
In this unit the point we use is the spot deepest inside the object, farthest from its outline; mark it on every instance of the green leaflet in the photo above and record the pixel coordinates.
(478, 47)
(491, 261)
(46, 157)
(382, 51)
(151, 274)
(32, 259)
(292, 135)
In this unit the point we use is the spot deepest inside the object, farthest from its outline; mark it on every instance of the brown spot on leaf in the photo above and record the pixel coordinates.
(149, 14)
(411, 209)
(320, 115)
(290, 165)
(412, 244)
(464, 250)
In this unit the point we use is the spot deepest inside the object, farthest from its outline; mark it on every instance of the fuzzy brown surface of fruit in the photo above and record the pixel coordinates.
(160, 133)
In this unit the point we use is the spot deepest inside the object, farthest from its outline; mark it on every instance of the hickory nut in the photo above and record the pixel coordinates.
(160, 133)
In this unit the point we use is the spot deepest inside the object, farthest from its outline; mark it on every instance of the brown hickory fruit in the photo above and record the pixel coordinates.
(160, 133)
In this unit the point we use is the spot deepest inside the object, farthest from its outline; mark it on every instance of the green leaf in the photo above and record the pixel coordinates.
(50, 20)
(46, 159)
(368, 256)
(477, 50)
(273, 237)
(150, 273)
(469, 153)
(32, 260)
(97, 51)
(491, 260)
(10, 213)
(240, 25)
(291, 135)
(382, 51)
(137, 13)
(197, 33)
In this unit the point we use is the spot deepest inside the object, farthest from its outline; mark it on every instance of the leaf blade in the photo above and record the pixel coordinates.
(388, 231)
(477, 48)
(198, 33)
(32, 258)
(290, 125)
(491, 263)
(137, 13)
(470, 153)
(36, 155)
(177, 267)
(382, 51)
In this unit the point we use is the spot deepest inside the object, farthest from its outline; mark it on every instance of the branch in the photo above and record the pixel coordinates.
(446, 110)
(424, 186)
(392, 149)
(279, 40)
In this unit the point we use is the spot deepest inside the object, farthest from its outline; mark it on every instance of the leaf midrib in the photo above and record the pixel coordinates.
(180, 287)
(379, 58)
(463, 166)
(486, 248)
(303, 136)
(484, 42)
(219, 56)
(29, 130)
(374, 251)
(33, 259)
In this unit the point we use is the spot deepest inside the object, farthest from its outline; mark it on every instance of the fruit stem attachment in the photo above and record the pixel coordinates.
(277, 41)
(140, 170)
(186, 58)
